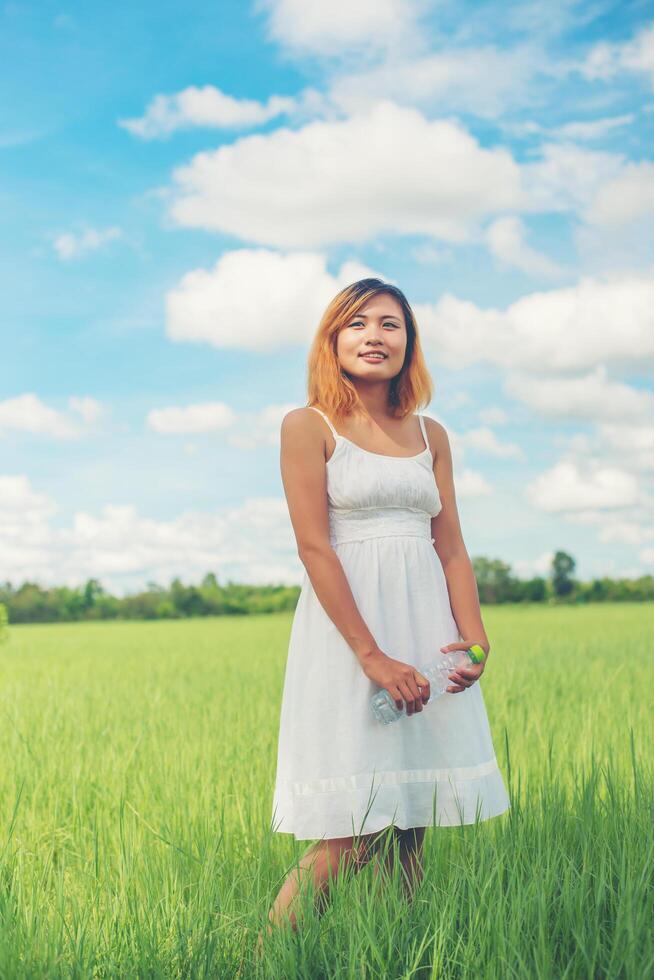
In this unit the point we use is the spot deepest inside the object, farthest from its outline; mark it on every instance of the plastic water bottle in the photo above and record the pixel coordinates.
(383, 705)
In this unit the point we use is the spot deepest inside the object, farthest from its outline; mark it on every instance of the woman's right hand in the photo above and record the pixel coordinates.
(401, 680)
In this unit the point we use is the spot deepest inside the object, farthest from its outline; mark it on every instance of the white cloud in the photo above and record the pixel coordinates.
(20, 502)
(596, 321)
(205, 417)
(604, 482)
(69, 245)
(485, 81)
(582, 129)
(629, 444)
(551, 20)
(90, 409)
(259, 428)
(389, 170)
(592, 129)
(25, 533)
(263, 428)
(612, 197)
(625, 532)
(567, 177)
(27, 413)
(336, 28)
(469, 484)
(255, 299)
(208, 107)
(535, 340)
(250, 543)
(627, 197)
(638, 54)
(590, 397)
(428, 254)
(529, 568)
(568, 487)
(458, 398)
(506, 241)
(485, 440)
(493, 415)
(633, 529)
(607, 59)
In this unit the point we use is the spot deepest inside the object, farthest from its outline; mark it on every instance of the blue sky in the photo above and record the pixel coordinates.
(185, 186)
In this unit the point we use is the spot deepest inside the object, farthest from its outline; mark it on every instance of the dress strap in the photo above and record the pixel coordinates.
(334, 432)
(424, 432)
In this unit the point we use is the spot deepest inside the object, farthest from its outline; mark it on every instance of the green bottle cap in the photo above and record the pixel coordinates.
(477, 653)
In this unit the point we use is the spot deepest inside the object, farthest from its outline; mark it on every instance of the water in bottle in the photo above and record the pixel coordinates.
(383, 705)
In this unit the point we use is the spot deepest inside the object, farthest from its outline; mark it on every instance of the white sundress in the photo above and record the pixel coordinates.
(340, 772)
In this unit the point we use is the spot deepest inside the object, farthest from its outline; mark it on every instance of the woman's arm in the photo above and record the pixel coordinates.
(450, 547)
(303, 469)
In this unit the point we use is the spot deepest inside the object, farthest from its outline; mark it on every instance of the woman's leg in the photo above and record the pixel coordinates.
(320, 863)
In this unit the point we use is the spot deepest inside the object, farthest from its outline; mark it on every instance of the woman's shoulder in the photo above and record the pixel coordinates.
(300, 417)
(437, 434)
(437, 428)
(301, 423)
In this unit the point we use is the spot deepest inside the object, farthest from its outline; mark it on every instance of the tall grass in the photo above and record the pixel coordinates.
(136, 786)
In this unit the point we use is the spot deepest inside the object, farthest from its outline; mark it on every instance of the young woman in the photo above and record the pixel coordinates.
(388, 584)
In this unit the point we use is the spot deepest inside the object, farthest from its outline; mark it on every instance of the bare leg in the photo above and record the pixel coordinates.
(320, 862)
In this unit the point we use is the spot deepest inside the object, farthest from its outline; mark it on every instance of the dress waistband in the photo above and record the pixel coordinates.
(378, 522)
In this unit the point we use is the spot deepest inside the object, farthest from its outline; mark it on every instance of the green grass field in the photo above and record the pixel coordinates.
(136, 784)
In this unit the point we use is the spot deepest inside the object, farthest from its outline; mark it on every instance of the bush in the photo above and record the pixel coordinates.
(4, 623)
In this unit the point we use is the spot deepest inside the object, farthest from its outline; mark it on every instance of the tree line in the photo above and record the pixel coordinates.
(33, 603)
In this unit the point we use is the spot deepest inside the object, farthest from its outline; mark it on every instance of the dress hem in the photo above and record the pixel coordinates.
(406, 799)
(390, 777)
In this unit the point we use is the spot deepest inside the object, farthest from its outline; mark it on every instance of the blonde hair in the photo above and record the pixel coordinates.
(327, 386)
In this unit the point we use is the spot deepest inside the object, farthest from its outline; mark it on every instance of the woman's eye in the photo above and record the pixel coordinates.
(358, 323)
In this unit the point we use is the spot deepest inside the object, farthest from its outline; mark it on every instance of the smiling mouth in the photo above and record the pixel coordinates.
(372, 356)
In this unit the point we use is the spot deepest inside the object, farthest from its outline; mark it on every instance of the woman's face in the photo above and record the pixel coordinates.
(378, 327)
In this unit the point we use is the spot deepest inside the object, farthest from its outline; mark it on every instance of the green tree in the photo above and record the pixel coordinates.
(563, 566)
(92, 592)
(494, 580)
(531, 590)
(4, 623)
(186, 599)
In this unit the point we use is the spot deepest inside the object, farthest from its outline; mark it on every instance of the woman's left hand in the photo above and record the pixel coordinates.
(464, 677)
